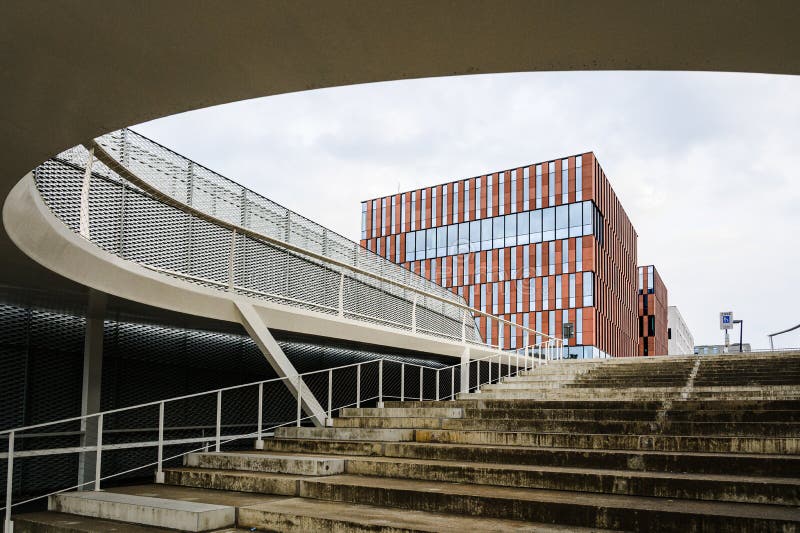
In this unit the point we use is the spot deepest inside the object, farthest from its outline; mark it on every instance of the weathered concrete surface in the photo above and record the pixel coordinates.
(144, 510)
(261, 462)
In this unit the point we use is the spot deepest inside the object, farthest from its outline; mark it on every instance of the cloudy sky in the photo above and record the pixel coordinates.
(706, 165)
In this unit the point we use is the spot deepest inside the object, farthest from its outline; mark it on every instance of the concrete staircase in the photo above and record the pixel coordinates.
(647, 444)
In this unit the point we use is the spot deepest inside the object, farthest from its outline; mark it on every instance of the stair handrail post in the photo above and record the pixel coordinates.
(438, 371)
(160, 467)
(380, 384)
(219, 422)
(329, 420)
(9, 525)
(260, 424)
(299, 400)
(358, 385)
(452, 383)
(402, 382)
(98, 456)
(421, 377)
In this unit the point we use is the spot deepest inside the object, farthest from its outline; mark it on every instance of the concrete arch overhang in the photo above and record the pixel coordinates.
(74, 71)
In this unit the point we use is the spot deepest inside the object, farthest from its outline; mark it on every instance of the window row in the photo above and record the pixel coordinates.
(540, 225)
(568, 291)
(457, 198)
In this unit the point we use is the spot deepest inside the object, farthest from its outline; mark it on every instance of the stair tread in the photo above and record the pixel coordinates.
(376, 517)
(643, 503)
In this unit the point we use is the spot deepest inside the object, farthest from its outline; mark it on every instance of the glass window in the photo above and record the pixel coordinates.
(579, 326)
(562, 222)
(423, 218)
(466, 199)
(549, 224)
(523, 233)
(474, 236)
(452, 239)
(526, 185)
(433, 206)
(514, 263)
(565, 255)
(507, 297)
(536, 226)
(572, 290)
(478, 196)
(641, 279)
(501, 267)
(501, 193)
(455, 270)
(403, 213)
(552, 323)
(374, 218)
(378, 243)
(443, 271)
(494, 299)
(463, 237)
(578, 254)
(513, 192)
(414, 210)
(551, 258)
(489, 266)
(575, 220)
(394, 216)
(441, 241)
(363, 220)
(551, 183)
(477, 268)
(430, 243)
(455, 202)
(532, 294)
(538, 186)
(526, 260)
(466, 270)
(558, 292)
(588, 289)
(410, 240)
(497, 232)
(565, 180)
(486, 234)
(444, 204)
(587, 218)
(433, 270)
(650, 277)
(546, 293)
(539, 326)
(539, 259)
(483, 298)
(510, 230)
(420, 245)
(578, 178)
(489, 188)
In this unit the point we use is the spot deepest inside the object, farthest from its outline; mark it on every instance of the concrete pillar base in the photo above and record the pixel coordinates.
(379, 405)
(259, 444)
(160, 477)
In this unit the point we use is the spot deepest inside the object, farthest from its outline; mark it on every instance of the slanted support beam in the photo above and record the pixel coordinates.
(258, 331)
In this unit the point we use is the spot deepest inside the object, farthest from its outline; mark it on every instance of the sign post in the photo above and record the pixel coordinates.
(725, 324)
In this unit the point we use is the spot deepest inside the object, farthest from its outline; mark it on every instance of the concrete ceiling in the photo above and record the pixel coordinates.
(74, 70)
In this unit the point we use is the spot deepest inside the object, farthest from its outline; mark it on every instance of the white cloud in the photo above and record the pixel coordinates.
(703, 163)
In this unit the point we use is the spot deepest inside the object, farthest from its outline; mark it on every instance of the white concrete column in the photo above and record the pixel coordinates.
(92, 383)
(465, 369)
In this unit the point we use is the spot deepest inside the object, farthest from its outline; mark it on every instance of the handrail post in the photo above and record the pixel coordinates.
(329, 420)
(219, 421)
(437, 384)
(402, 382)
(160, 468)
(341, 294)
(380, 384)
(98, 461)
(358, 385)
(9, 526)
(259, 440)
(231, 260)
(420, 383)
(479, 373)
(299, 400)
(452, 383)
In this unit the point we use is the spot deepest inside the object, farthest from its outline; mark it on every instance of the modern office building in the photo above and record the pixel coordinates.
(540, 245)
(679, 339)
(652, 296)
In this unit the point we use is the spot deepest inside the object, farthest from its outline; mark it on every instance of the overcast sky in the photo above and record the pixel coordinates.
(705, 165)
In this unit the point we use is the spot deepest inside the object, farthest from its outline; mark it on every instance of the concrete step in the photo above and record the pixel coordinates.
(476, 401)
(233, 480)
(564, 507)
(770, 445)
(374, 422)
(520, 385)
(764, 465)
(364, 434)
(742, 415)
(432, 412)
(261, 462)
(561, 414)
(143, 510)
(53, 522)
(778, 491)
(301, 515)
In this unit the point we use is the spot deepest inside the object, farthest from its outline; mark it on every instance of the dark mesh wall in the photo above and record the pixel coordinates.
(41, 358)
